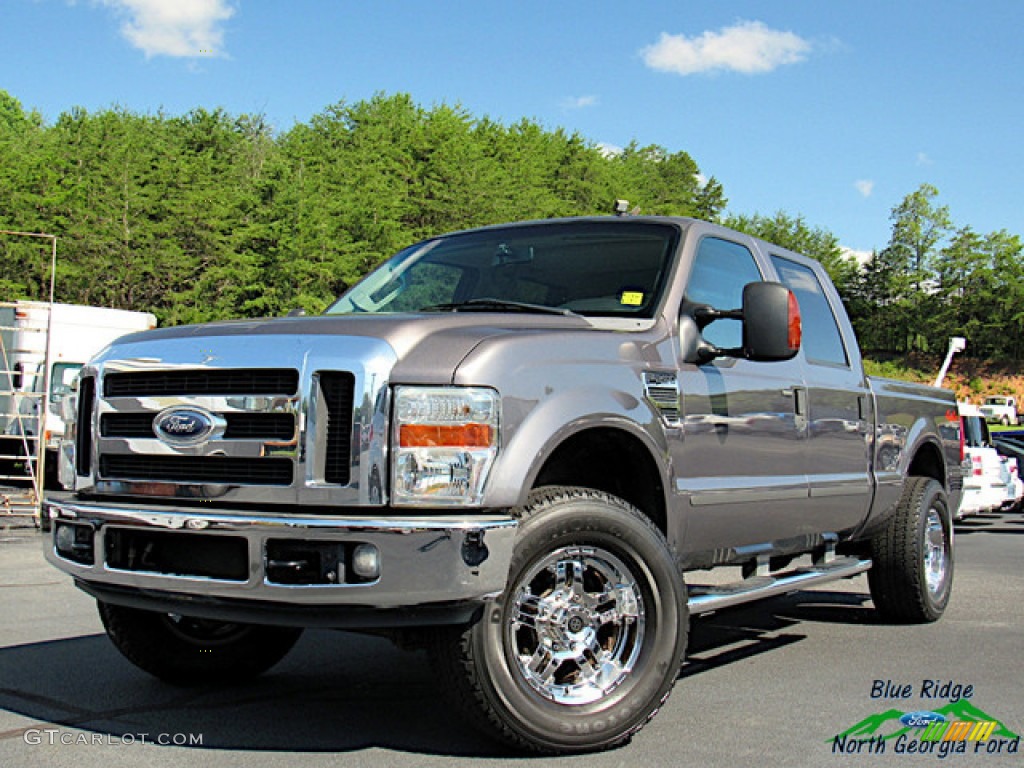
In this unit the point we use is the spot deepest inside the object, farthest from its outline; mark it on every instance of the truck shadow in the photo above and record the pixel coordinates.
(336, 691)
(991, 522)
(743, 632)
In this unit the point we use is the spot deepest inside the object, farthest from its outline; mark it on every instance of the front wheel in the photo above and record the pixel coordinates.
(184, 650)
(584, 645)
(912, 575)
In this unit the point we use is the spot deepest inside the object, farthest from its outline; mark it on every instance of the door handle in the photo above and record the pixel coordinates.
(800, 401)
(799, 395)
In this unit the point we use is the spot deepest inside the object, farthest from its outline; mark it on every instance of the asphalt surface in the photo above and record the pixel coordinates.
(770, 684)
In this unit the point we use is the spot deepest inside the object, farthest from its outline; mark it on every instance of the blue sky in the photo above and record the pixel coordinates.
(829, 109)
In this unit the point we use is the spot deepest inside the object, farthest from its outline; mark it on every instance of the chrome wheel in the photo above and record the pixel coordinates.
(577, 625)
(585, 643)
(935, 553)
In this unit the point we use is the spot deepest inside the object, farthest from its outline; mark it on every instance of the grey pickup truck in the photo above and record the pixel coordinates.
(525, 448)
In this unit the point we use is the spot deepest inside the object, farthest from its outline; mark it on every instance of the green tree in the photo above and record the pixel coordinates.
(900, 280)
(795, 234)
(663, 183)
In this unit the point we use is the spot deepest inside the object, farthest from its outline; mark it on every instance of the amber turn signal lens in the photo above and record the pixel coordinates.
(454, 436)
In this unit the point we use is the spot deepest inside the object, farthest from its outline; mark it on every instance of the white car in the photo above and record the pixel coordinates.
(990, 484)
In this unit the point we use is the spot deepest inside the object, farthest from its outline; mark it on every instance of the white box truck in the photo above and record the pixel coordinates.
(68, 335)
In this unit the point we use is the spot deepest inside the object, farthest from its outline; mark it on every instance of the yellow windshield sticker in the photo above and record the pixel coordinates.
(632, 298)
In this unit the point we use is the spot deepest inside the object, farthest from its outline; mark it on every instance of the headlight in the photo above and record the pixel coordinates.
(444, 443)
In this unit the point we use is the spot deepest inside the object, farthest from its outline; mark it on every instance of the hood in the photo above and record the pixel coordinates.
(427, 348)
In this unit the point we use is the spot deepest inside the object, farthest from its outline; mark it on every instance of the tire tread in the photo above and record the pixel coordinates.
(896, 580)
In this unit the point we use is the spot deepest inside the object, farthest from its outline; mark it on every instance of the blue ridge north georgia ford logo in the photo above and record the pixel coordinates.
(184, 426)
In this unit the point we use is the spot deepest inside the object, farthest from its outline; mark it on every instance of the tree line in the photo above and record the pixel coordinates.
(206, 215)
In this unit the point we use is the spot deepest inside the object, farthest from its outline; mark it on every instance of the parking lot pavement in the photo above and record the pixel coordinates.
(771, 684)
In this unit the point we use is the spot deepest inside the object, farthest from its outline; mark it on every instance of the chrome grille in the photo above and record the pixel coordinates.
(256, 441)
(301, 417)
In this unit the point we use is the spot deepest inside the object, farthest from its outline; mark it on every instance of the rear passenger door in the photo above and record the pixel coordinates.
(837, 458)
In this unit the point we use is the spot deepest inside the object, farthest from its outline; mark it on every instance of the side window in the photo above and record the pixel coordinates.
(720, 270)
(822, 340)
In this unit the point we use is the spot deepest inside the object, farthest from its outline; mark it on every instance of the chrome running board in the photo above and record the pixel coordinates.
(704, 598)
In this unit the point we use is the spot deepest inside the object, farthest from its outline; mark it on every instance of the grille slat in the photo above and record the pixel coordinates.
(83, 437)
(241, 426)
(197, 469)
(337, 389)
(226, 381)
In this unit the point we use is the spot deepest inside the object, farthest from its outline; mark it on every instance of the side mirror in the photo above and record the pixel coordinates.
(771, 325)
(772, 328)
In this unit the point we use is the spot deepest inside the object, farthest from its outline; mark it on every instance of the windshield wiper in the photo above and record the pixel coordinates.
(486, 304)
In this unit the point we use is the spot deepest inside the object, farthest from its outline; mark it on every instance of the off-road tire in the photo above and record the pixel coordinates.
(585, 644)
(188, 651)
(912, 575)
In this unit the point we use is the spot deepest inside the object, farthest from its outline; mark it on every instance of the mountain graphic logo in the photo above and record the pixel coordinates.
(887, 725)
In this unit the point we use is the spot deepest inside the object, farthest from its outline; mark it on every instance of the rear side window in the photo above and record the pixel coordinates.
(822, 341)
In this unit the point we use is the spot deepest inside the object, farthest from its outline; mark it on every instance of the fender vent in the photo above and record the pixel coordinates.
(662, 389)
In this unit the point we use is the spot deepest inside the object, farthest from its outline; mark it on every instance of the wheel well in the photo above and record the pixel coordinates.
(613, 461)
(928, 462)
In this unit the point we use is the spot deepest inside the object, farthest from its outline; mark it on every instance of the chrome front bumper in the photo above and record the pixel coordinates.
(148, 550)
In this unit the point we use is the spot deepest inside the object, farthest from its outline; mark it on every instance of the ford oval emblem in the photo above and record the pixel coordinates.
(184, 426)
(921, 719)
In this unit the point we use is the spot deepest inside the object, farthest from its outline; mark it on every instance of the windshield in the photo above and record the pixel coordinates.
(997, 401)
(613, 268)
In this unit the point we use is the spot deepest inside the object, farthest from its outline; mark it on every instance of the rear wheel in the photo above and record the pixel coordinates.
(585, 644)
(189, 651)
(912, 576)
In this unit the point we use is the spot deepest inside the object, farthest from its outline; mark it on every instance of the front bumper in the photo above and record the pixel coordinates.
(294, 564)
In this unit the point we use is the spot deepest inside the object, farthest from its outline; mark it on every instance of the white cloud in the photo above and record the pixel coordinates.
(748, 47)
(864, 186)
(923, 159)
(579, 102)
(861, 257)
(609, 150)
(180, 28)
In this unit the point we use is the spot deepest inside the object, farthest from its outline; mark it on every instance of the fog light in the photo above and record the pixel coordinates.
(366, 561)
(74, 542)
(65, 538)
